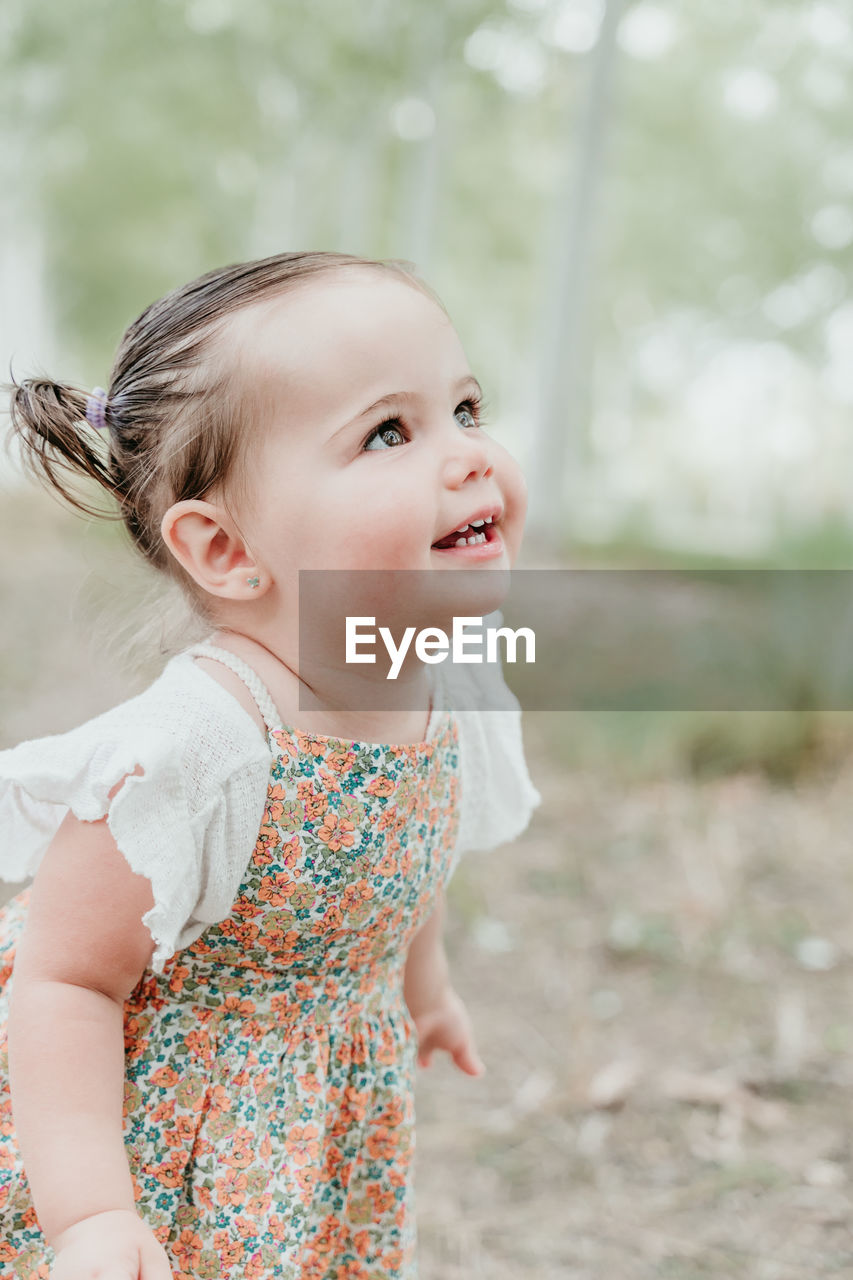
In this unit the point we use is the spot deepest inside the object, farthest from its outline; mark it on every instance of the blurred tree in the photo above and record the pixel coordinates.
(144, 144)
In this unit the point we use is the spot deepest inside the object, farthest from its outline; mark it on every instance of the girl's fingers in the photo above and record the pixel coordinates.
(468, 1060)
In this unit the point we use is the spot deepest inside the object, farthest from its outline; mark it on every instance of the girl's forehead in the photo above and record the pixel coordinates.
(339, 322)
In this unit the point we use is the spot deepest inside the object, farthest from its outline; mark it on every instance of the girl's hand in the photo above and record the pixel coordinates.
(446, 1025)
(114, 1245)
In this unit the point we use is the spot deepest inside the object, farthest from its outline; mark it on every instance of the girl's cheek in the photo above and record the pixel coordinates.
(514, 489)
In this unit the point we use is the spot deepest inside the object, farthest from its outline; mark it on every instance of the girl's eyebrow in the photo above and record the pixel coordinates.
(395, 397)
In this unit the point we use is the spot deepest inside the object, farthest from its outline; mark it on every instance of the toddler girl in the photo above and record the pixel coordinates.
(214, 993)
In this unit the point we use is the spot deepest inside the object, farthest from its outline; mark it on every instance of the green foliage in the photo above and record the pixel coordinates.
(152, 142)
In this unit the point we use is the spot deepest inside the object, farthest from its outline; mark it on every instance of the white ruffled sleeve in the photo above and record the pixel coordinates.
(497, 796)
(188, 822)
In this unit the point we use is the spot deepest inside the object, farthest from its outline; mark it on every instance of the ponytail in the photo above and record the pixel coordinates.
(179, 420)
(57, 442)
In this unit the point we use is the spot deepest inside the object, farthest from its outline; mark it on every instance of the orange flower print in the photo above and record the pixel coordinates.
(258, 1205)
(255, 1268)
(231, 1188)
(353, 1268)
(386, 1051)
(233, 1004)
(393, 1114)
(177, 976)
(302, 1143)
(280, 939)
(310, 1082)
(278, 1228)
(329, 780)
(170, 1172)
(269, 1071)
(246, 909)
(307, 1178)
(220, 1099)
(383, 1199)
(381, 1143)
(164, 1077)
(334, 1157)
(262, 855)
(204, 1196)
(361, 891)
(337, 832)
(198, 1043)
(285, 743)
(381, 786)
(390, 819)
(275, 798)
(276, 889)
(302, 897)
(230, 1251)
(354, 1105)
(187, 1249)
(392, 1261)
(289, 852)
(243, 931)
(180, 1132)
(340, 762)
(326, 1238)
(134, 1038)
(315, 804)
(240, 1153)
(332, 919)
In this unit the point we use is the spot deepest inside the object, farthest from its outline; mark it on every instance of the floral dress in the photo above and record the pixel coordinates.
(269, 1110)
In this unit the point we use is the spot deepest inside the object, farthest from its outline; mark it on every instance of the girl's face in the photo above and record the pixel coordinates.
(373, 454)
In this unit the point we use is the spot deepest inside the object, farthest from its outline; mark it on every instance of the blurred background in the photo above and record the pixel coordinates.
(640, 216)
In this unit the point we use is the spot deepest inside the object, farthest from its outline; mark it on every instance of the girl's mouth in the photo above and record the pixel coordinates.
(481, 542)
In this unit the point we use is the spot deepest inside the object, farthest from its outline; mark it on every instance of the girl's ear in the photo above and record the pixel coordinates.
(205, 541)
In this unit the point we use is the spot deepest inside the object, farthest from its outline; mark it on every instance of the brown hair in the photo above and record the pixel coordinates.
(176, 423)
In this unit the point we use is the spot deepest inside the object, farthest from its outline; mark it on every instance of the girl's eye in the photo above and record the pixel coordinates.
(391, 433)
(470, 410)
(382, 437)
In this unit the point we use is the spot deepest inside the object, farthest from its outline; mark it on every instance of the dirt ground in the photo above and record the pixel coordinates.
(658, 971)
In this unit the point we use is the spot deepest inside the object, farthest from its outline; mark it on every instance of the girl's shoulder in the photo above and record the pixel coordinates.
(184, 716)
(196, 768)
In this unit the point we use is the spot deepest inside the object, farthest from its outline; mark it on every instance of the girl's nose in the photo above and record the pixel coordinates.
(469, 460)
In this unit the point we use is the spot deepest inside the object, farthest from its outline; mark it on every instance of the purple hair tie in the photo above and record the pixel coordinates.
(96, 407)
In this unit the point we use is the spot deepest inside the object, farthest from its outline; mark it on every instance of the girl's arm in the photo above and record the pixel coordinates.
(427, 975)
(82, 951)
(440, 1016)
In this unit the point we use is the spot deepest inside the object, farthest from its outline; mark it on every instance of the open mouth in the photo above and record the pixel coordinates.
(469, 535)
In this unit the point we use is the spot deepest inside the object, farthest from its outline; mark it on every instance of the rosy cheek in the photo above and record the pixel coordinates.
(378, 548)
(514, 490)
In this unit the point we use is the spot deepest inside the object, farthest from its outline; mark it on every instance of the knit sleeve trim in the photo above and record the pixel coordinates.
(187, 822)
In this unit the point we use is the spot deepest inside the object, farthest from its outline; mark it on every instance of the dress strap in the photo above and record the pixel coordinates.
(247, 674)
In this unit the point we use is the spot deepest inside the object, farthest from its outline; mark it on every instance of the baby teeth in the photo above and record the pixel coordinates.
(468, 542)
(475, 524)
